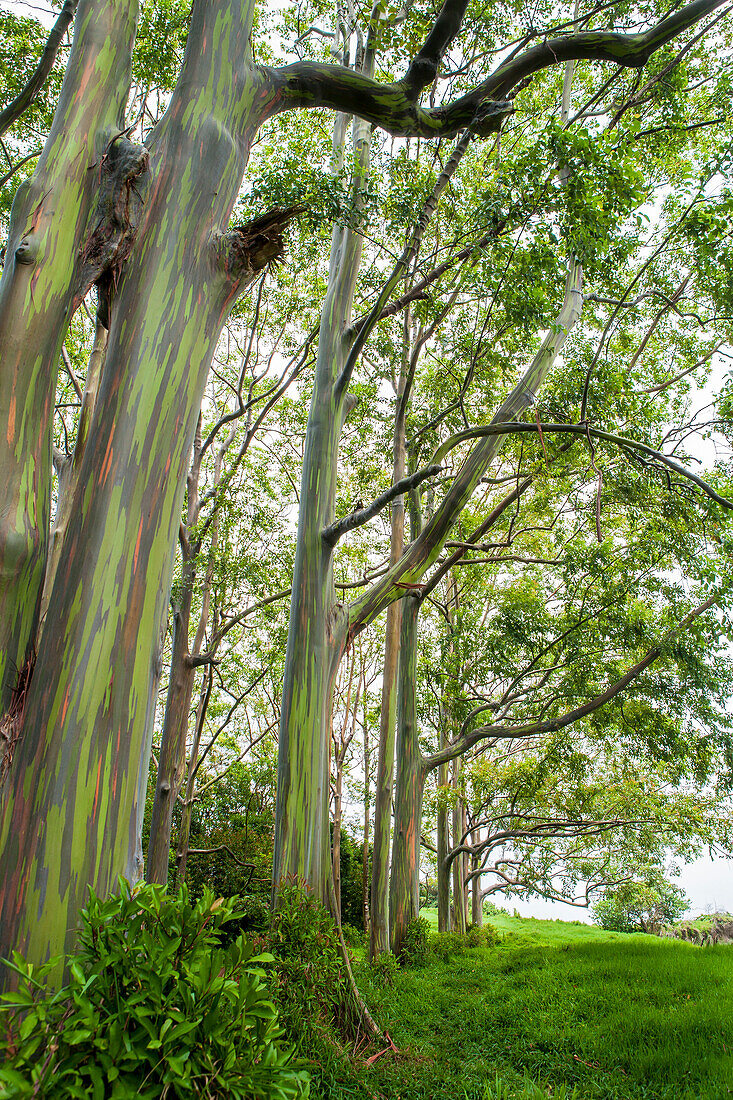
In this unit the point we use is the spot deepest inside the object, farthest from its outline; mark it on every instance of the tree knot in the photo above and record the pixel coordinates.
(117, 212)
(245, 250)
(490, 115)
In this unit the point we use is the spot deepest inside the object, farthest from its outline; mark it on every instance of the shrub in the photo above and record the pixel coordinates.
(309, 978)
(446, 945)
(482, 936)
(384, 969)
(252, 919)
(154, 1006)
(491, 910)
(474, 937)
(640, 906)
(414, 950)
(353, 937)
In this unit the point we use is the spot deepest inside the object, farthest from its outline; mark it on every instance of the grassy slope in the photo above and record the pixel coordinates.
(580, 1012)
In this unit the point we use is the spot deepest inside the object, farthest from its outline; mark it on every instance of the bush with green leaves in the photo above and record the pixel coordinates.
(309, 979)
(640, 906)
(482, 935)
(353, 937)
(383, 969)
(447, 945)
(154, 1006)
(252, 920)
(414, 950)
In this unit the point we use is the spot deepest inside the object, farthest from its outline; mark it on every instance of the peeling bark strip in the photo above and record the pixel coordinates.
(248, 249)
(11, 722)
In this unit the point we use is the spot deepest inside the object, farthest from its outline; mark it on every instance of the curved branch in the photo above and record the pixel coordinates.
(392, 106)
(423, 68)
(18, 165)
(551, 725)
(585, 430)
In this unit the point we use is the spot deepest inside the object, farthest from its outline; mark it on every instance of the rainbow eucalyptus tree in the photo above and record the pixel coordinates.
(150, 226)
(322, 628)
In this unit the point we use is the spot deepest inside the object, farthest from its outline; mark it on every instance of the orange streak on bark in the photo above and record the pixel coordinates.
(137, 545)
(96, 789)
(11, 421)
(84, 79)
(106, 464)
(65, 707)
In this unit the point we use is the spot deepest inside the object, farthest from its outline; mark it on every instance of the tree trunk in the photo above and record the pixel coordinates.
(442, 844)
(365, 851)
(477, 912)
(43, 272)
(172, 759)
(404, 885)
(68, 470)
(379, 940)
(318, 629)
(463, 860)
(184, 832)
(442, 854)
(82, 760)
(459, 912)
(337, 840)
(316, 640)
(174, 735)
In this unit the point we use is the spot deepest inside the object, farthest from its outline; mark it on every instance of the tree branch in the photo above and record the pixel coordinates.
(423, 68)
(584, 430)
(25, 97)
(392, 108)
(333, 533)
(551, 725)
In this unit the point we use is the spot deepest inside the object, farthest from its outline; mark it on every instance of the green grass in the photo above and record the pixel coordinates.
(558, 1010)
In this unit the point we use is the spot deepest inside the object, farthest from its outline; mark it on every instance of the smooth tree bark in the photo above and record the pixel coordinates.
(367, 794)
(43, 273)
(378, 928)
(340, 750)
(441, 851)
(458, 869)
(150, 226)
(477, 912)
(404, 880)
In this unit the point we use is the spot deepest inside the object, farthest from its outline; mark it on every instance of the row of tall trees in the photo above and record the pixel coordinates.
(464, 401)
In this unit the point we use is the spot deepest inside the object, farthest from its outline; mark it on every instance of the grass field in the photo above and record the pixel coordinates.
(558, 1010)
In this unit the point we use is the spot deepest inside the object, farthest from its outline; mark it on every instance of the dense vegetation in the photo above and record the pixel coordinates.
(166, 998)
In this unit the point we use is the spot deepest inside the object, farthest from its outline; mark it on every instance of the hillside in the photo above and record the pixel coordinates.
(557, 1010)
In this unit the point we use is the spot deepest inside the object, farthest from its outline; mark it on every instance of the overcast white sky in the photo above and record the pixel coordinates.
(707, 882)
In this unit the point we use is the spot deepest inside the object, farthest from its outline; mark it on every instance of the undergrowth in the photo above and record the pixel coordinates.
(154, 1006)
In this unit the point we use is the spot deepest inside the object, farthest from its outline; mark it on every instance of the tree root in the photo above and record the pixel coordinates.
(370, 1027)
